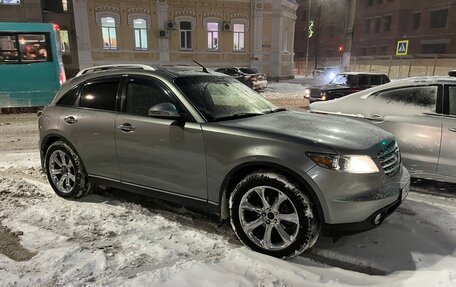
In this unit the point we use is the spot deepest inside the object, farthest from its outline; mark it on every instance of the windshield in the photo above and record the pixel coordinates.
(223, 98)
(345, 80)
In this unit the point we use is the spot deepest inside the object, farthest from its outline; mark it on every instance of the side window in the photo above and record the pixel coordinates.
(376, 80)
(452, 95)
(8, 49)
(100, 95)
(143, 95)
(385, 79)
(363, 80)
(34, 48)
(413, 100)
(69, 98)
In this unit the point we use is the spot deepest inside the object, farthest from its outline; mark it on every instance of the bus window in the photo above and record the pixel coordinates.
(33, 48)
(8, 49)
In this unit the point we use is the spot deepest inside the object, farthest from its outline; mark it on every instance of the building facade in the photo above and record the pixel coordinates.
(216, 33)
(428, 25)
(328, 24)
(60, 12)
(20, 11)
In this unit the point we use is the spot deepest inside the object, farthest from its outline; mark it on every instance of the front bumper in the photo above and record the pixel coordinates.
(351, 202)
(371, 222)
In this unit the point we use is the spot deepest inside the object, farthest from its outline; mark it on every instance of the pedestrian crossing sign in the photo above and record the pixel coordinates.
(402, 48)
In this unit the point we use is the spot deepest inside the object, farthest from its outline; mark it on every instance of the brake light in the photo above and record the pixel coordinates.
(62, 76)
(56, 27)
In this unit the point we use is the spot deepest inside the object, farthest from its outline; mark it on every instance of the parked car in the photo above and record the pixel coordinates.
(420, 112)
(247, 76)
(209, 142)
(344, 84)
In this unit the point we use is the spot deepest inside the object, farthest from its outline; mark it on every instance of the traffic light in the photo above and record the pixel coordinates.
(341, 48)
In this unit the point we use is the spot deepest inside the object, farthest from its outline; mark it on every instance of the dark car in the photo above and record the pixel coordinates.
(247, 76)
(344, 84)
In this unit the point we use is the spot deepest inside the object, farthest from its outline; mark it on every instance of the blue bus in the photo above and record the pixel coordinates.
(31, 67)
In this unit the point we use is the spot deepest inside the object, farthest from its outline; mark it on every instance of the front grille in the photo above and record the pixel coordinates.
(390, 158)
(315, 93)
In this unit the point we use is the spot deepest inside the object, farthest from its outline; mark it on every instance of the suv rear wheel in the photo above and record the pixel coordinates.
(273, 216)
(65, 171)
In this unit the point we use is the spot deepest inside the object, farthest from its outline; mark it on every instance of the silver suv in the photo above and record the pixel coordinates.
(209, 142)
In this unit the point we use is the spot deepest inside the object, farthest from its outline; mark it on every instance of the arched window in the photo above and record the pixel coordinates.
(140, 29)
(108, 29)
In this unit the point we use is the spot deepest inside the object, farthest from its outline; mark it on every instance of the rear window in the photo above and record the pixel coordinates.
(24, 47)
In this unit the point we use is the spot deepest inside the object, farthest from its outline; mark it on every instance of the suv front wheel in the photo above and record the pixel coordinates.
(65, 171)
(273, 216)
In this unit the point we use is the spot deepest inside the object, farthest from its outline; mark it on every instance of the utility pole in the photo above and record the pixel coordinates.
(308, 36)
(348, 41)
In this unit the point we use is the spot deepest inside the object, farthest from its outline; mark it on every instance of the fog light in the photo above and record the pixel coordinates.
(378, 219)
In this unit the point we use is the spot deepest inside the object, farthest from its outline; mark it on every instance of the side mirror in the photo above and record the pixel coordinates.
(164, 111)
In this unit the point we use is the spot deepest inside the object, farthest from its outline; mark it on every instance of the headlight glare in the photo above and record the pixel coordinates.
(346, 163)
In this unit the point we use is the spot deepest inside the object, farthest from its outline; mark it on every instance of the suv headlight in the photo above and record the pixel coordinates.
(346, 163)
(307, 95)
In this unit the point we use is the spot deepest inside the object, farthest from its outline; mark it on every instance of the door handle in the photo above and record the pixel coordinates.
(452, 130)
(70, 120)
(126, 128)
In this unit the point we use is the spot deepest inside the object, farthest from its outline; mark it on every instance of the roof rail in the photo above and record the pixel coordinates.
(116, 66)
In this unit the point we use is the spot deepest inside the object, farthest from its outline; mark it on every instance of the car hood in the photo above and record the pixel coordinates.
(344, 135)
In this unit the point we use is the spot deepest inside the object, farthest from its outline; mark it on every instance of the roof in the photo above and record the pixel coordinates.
(360, 73)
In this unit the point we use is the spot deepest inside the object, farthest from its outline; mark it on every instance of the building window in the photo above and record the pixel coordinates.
(108, 29)
(367, 26)
(377, 24)
(238, 37)
(64, 41)
(139, 26)
(185, 35)
(285, 40)
(65, 5)
(416, 20)
(439, 18)
(384, 50)
(213, 35)
(388, 20)
(364, 51)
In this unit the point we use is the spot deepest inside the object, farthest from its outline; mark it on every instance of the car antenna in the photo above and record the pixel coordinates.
(204, 68)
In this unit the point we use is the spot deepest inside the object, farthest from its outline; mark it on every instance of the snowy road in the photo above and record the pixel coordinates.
(110, 239)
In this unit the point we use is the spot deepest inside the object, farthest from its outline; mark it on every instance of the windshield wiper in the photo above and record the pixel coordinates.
(239, 116)
(276, 110)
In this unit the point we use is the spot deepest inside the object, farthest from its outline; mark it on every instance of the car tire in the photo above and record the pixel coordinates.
(272, 215)
(65, 171)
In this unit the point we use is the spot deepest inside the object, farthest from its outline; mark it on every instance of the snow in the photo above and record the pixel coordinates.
(112, 239)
